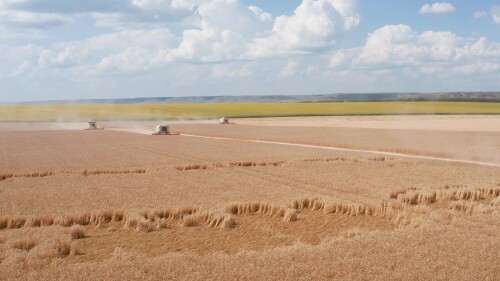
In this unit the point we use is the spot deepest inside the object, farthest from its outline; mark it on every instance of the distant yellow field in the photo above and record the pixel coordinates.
(204, 111)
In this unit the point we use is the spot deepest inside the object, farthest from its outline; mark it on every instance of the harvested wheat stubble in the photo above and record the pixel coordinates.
(250, 227)
(308, 212)
(133, 191)
(417, 142)
(347, 228)
(251, 222)
(109, 150)
(345, 180)
(250, 233)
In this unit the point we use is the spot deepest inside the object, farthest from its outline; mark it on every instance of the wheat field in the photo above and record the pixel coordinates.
(85, 112)
(117, 205)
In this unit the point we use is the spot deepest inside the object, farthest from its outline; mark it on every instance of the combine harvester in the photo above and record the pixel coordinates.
(93, 126)
(164, 130)
(225, 121)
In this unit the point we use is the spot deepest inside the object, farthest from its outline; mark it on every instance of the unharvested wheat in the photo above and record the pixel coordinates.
(190, 221)
(77, 233)
(25, 245)
(290, 215)
(63, 249)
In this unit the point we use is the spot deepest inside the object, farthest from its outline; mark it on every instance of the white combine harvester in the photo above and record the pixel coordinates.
(93, 126)
(164, 130)
(224, 121)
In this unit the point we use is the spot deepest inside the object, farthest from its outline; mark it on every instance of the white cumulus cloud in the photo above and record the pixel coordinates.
(495, 14)
(399, 46)
(290, 68)
(131, 60)
(315, 24)
(437, 8)
(479, 14)
(261, 14)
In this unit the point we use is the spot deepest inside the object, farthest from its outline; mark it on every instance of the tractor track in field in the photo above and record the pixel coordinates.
(297, 183)
(160, 152)
(405, 155)
(353, 150)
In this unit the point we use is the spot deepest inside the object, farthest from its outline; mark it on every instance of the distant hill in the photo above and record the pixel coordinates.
(344, 97)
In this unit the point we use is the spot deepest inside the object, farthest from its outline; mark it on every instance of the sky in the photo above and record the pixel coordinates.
(65, 50)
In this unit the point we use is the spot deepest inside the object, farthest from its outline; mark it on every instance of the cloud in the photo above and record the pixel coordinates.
(495, 14)
(185, 4)
(260, 14)
(20, 33)
(396, 57)
(429, 52)
(116, 14)
(21, 69)
(342, 59)
(231, 70)
(17, 60)
(210, 31)
(62, 6)
(133, 63)
(290, 69)
(130, 60)
(437, 8)
(222, 33)
(68, 57)
(207, 42)
(31, 20)
(145, 48)
(315, 25)
(479, 14)
(167, 47)
(228, 30)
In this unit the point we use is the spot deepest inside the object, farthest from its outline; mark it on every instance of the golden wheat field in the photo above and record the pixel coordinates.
(333, 198)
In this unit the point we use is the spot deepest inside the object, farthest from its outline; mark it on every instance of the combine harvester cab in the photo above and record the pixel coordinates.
(164, 130)
(93, 126)
(225, 121)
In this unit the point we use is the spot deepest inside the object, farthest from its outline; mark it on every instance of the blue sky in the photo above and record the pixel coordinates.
(56, 49)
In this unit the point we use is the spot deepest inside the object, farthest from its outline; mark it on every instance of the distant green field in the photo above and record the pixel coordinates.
(207, 111)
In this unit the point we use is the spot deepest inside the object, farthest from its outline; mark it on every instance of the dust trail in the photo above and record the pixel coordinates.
(137, 131)
(354, 150)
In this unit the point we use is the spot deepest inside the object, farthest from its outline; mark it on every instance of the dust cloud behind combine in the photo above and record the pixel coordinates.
(121, 204)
